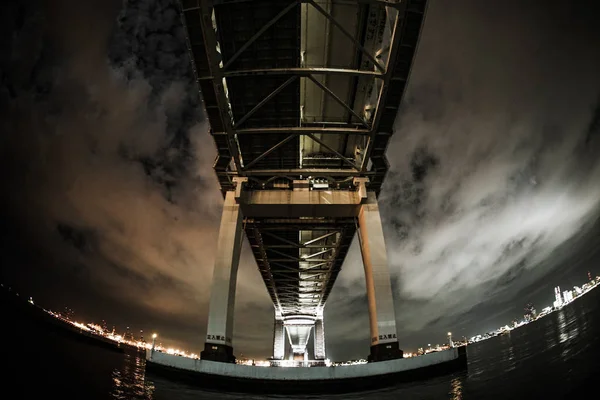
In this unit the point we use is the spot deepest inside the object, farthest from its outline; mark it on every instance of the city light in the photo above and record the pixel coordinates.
(562, 298)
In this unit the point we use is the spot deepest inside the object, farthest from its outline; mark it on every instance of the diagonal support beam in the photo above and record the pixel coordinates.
(274, 236)
(265, 100)
(302, 130)
(385, 85)
(338, 100)
(325, 236)
(301, 71)
(337, 153)
(316, 254)
(286, 268)
(346, 33)
(267, 268)
(284, 254)
(272, 149)
(259, 33)
(316, 266)
(286, 246)
(210, 39)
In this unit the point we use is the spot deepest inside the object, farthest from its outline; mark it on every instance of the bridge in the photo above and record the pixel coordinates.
(301, 97)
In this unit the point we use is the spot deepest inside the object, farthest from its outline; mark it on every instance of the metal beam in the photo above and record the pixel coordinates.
(284, 240)
(295, 258)
(346, 33)
(287, 246)
(317, 266)
(275, 227)
(338, 100)
(272, 149)
(265, 100)
(302, 130)
(287, 269)
(267, 267)
(306, 172)
(325, 236)
(259, 33)
(305, 71)
(280, 260)
(210, 39)
(340, 155)
(318, 253)
(387, 3)
(393, 52)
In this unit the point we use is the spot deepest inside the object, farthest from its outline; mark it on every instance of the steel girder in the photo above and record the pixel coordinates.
(214, 66)
(249, 71)
(299, 274)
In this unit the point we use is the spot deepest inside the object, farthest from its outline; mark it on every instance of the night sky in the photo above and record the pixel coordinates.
(110, 205)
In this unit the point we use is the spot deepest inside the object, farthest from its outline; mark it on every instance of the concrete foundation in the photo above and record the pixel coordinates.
(384, 341)
(242, 378)
(218, 345)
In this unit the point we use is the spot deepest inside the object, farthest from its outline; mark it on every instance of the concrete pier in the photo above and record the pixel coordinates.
(218, 345)
(312, 250)
(384, 341)
(278, 339)
(301, 152)
(319, 339)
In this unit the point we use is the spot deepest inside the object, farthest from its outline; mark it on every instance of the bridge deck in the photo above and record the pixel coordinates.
(301, 90)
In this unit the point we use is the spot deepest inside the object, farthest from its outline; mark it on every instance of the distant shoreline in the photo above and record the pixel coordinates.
(17, 309)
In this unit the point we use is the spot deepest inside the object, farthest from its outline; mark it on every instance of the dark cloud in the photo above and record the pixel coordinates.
(110, 201)
(494, 180)
(112, 162)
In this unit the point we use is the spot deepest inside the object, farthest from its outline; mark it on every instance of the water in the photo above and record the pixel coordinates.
(554, 358)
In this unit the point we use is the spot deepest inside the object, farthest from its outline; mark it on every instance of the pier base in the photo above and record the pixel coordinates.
(224, 377)
(217, 352)
(385, 351)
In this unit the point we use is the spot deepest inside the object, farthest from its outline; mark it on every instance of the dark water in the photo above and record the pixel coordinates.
(557, 357)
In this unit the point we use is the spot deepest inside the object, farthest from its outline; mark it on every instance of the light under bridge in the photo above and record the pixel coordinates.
(301, 97)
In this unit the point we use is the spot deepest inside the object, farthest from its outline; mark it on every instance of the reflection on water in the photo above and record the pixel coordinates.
(456, 388)
(129, 381)
(553, 358)
(561, 326)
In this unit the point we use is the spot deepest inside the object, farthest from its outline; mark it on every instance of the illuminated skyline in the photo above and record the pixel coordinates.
(113, 333)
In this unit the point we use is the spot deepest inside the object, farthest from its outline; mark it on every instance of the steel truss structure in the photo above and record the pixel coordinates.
(301, 91)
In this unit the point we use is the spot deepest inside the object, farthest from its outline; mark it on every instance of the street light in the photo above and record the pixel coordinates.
(154, 335)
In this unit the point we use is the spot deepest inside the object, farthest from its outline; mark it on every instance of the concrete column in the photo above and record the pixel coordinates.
(218, 346)
(319, 340)
(278, 340)
(384, 341)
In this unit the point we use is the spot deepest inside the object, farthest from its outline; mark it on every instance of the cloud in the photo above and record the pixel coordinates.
(493, 168)
(112, 163)
(108, 162)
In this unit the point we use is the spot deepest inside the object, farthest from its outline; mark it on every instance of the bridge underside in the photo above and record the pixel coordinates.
(301, 97)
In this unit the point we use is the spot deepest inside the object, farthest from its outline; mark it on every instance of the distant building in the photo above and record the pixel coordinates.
(559, 300)
(567, 296)
(530, 313)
